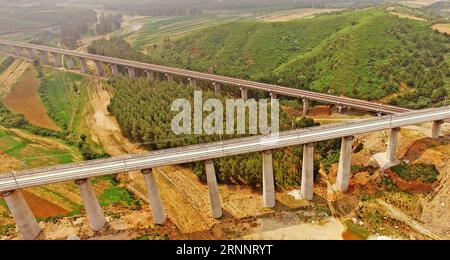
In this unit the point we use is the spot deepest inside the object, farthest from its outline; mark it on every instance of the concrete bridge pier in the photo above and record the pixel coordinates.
(192, 82)
(84, 66)
(114, 69)
(392, 146)
(217, 89)
(343, 177)
(43, 57)
(18, 51)
(307, 172)
(305, 107)
(58, 59)
(268, 181)
(158, 212)
(22, 214)
(94, 211)
(436, 129)
(169, 77)
(213, 189)
(99, 67)
(150, 74)
(31, 54)
(69, 61)
(244, 93)
(131, 72)
(273, 95)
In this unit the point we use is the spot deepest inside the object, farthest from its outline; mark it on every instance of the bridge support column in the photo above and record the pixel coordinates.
(268, 181)
(114, 69)
(217, 89)
(150, 74)
(131, 72)
(84, 66)
(244, 93)
(343, 177)
(392, 146)
(31, 54)
(43, 57)
(99, 67)
(69, 61)
(213, 189)
(273, 95)
(58, 60)
(18, 51)
(169, 77)
(192, 82)
(158, 212)
(436, 129)
(305, 107)
(22, 214)
(90, 201)
(308, 172)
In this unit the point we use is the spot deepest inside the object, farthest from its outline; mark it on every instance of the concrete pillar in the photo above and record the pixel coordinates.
(158, 212)
(31, 54)
(43, 57)
(305, 107)
(343, 177)
(273, 95)
(340, 108)
(93, 209)
(392, 146)
(169, 77)
(192, 82)
(99, 67)
(214, 196)
(150, 74)
(268, 181)
(22, 214)
(307, 187)
(436, 129)
(69, 61)
(114, 69)
(57, 58)
(18, 51)
(84, 66)
(217, 89)
(131, 72)
(244, 93)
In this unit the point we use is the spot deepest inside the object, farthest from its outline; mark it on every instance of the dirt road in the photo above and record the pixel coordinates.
(400, 216)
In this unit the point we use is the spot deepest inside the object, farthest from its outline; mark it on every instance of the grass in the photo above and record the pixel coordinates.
(417, 172)
(117, 195)
(64, 95)
(33, 153)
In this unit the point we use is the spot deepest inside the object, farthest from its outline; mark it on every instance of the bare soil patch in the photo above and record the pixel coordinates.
(24, 99)
(442, 27)
(408, 16)
(42, 208)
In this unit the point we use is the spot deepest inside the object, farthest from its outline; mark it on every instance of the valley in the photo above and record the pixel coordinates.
(370, 53)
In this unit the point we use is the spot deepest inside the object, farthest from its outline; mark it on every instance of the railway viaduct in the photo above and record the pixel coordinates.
(11, 183)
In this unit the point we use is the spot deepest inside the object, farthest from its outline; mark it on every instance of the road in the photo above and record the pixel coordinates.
(285, 91)
(176, 156)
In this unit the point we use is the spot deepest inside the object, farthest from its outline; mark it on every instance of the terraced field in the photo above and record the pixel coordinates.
(155, 30)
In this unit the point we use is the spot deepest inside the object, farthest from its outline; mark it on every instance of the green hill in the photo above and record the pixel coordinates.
(366, 53)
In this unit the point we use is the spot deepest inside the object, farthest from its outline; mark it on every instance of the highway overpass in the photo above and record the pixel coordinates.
(193, 76)
(11, 183)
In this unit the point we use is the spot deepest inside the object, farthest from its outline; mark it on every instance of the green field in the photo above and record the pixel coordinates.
(156, 29)
(33, 151)
(64, 95)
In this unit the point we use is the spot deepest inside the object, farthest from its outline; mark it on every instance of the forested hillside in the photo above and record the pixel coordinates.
(142, 108)
(366, 53)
